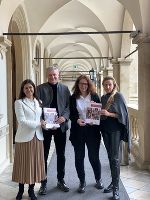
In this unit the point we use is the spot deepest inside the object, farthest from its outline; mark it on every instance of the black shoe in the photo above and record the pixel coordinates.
(42, 190)
(81, 188)
(19, 196)
(20, 192)
(116, 194)
(32, 195)
(99, 184)
(62, 186)
(109, 189)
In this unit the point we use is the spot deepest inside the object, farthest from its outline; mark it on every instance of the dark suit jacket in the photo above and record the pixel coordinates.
(45, 94)
(74, 116)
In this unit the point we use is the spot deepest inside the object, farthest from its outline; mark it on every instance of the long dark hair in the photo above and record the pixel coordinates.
(91, 88)
(22, 94)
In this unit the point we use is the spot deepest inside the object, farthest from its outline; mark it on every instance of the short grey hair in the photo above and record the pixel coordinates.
(53, 67)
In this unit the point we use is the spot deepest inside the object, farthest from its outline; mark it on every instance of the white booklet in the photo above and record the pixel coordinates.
(93, 113)
(50, 116)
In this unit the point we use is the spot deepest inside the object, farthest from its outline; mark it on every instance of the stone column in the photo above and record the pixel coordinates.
(116, 70)
(143, 155)
(110, 71)
(99, 83)
(6, 136)
(125, 78)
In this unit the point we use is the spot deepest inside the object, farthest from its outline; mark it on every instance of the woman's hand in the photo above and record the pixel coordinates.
(104, 112)
(81, 122)
(108, 114)
(43, 123)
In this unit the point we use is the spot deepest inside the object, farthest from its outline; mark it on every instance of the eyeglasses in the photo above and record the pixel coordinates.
(83, 84)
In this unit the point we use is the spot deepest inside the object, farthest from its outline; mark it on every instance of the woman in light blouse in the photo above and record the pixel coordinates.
(28, 167)
(82, 133)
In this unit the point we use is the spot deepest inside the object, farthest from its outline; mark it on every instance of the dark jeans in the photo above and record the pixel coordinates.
(60, 143)
(112, 143)
(92, 141)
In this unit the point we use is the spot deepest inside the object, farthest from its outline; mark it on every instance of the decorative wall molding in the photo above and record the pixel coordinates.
(4, 131)
(35, 64)
(4, 44)
(141, 38)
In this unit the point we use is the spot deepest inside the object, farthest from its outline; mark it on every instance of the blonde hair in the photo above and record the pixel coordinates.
(114, 91)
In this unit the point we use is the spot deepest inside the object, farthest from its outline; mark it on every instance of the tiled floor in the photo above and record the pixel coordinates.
(136, 182)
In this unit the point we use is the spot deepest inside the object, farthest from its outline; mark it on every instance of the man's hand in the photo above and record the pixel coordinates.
(60, 120)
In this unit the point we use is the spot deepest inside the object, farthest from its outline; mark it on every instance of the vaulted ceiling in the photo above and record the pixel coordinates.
(57, 16)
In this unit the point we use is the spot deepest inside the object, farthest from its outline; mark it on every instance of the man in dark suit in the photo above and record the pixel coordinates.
(55, 95)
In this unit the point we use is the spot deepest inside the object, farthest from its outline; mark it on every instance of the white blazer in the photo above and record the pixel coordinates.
(28, 117)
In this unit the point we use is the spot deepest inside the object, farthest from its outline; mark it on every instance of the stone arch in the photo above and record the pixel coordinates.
(18, 65)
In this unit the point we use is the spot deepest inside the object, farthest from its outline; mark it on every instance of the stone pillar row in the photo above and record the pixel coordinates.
(143, 155)
(5, 123)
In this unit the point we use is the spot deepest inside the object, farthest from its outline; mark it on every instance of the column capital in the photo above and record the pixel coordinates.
(125, 61)
(118, 61)
(34, 63)
(4, 44)
(114, 61)
(141, 38)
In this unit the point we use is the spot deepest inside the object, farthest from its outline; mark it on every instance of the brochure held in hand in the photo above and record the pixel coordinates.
(50, 116)
(93, 113)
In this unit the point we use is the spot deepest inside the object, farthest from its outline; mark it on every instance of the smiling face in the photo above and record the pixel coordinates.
(28, 90)
(108, 86)
(83, 86)
(53, 76)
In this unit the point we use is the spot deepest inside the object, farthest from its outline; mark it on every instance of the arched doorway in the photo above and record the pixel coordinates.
(18, 68)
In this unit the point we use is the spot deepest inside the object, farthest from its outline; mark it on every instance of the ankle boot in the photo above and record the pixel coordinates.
(82, 186)
(116, 194)
(20, 192)
(31, 192)
(109, 188)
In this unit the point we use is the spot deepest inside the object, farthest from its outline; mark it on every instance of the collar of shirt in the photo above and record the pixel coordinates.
(82, 104)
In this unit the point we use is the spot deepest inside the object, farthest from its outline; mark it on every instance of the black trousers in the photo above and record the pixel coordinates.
(60, 143)
(91, 138)
(112, 143)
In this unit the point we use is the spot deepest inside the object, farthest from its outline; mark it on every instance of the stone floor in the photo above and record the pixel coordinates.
(136, 182)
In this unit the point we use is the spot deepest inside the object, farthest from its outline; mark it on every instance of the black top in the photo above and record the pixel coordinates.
(121, 123)
(53, 103)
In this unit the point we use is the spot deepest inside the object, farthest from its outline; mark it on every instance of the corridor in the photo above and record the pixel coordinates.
(97, 38)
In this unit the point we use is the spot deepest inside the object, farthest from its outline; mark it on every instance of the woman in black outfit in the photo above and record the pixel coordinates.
(114, 128)
(82, 133)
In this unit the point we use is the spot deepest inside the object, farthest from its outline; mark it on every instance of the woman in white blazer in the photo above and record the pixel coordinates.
(29, 164)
